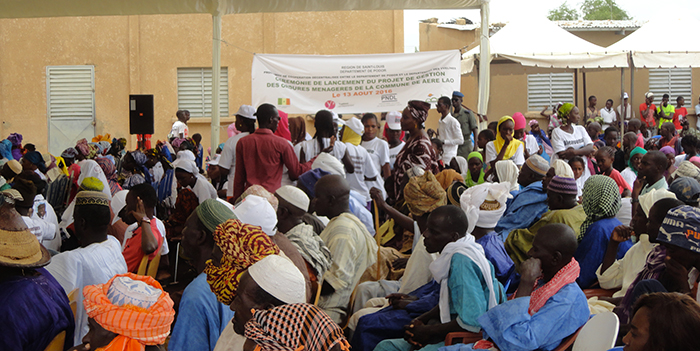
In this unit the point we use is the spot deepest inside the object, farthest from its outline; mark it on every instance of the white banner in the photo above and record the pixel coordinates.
(353, 83)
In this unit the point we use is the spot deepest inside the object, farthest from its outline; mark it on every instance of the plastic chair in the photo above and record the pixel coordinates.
(598, 334)
(149, 268)
(57, 343)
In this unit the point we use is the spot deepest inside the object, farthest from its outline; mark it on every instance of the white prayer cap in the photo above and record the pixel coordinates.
(185, 154)
(215, 161)
(649, 95)
(225, 203)
(625, 96)
(294, 196)
(329, 163)
(648, 200)
(186, 165)
(562, 169)
(246, 111)
(255, 210)
(485, 204)
(279, 277)
(118, 202)
(127, 291)
(393, 120)
(356, 125)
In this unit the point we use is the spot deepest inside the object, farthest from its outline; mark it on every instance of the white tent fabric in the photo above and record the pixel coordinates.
(663, 42)
(533, 43)
(58, 8)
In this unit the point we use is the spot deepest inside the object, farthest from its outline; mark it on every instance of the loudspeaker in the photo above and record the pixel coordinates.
(140, 114)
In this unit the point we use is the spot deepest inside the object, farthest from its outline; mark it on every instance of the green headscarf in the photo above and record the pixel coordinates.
(601, 199)
(468, 179)
(563, 112)
(635, 151)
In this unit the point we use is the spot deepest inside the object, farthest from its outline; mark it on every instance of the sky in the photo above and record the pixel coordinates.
(507, 10)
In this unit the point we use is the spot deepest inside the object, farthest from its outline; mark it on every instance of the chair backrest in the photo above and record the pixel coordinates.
(149, 268)
(598, 334)
(73, 300)
(57, 343)
(318, 292)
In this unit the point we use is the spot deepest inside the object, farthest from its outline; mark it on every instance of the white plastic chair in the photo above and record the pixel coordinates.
(598, 334)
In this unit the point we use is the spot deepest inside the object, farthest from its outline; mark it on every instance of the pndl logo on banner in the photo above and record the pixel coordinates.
(353, 83)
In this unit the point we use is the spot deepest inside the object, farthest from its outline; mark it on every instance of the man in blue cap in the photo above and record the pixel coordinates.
(467, 121)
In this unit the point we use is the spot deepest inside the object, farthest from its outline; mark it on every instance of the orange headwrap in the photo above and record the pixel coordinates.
(136, 326)
(241, 245)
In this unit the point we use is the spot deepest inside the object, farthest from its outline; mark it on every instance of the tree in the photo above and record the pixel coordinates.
(563, 13)
(603, 10)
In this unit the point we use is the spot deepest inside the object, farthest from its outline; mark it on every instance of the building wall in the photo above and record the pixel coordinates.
(508, 92)
(141, 54)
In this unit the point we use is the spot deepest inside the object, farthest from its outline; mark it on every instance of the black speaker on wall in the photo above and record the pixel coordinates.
(141, 114)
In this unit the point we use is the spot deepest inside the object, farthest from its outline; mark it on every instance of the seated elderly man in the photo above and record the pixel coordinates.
(201, 318)
(98, 258)
(129, 312)
(548, 305)
(352, 247)
(468, 286)
(531, 201)
(34, 309)
(563, 208)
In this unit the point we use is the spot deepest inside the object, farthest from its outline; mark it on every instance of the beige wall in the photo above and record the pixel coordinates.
(509, 79)
(141, 54)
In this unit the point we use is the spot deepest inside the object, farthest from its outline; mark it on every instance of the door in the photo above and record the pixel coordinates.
(70, 105)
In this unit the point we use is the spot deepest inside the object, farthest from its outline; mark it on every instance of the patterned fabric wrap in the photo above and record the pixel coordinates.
(563, 112)
(419, 110)
(447, 177)
(259, 190)
(601, 199)
(567, 275)
(419, 153)
(110, 172)
(136, 326)
(140, 160)
(185, 204)
(295, 327)
(6, 149)
(15, 139)
(423, 194)
(655, 266)
(242, 245)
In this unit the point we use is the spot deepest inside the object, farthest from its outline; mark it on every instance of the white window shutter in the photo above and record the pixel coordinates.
(672, 81)
(194, 91)
(549, 88)
(70, 92)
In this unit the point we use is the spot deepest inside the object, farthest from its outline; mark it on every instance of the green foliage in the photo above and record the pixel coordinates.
(603, 10)
(563, 13)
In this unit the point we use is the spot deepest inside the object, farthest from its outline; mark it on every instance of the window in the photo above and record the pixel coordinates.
(672, 81)
(70, 92)
(548, 89)
(194, 91)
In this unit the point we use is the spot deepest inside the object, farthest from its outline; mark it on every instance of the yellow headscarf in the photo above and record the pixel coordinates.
(349, 136)
(499, 142)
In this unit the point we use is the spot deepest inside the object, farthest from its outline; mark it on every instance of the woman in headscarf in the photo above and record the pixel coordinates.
(90, 168)
(16, 140)
(33, 161)
(163, 175)
(571, 140)
(601, 202)
(297, 128)
(505, 147)
(110, 173)
(5, 151)
(418, 151)
(135, 163)
(507, 171)
(475, 164)
(671, 156)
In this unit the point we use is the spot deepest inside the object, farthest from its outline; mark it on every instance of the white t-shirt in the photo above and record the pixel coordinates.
(179, 128)
(364, 167)
(129, 232)
(562, 140)
(51, 218)
(203, 189)
(311, 149)
(228, 159)
(393, 152)
(628, 175)
(629, 112)
(491, 154)
(378, 151)
(531, 145)
(609, 117)
(451, 135)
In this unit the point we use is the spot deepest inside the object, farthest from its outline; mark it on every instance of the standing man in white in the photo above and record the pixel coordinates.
(449, 131)
(245, 123)
(179, 128)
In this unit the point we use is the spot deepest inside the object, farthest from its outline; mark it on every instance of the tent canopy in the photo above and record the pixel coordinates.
(543, 43)
(59, 8)
(663, 42)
